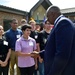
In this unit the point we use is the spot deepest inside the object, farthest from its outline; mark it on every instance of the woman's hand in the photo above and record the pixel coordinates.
(0, 62)
(3, 64)
(35, 54)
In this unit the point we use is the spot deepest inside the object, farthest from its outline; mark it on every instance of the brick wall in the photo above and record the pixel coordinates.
(9, 16)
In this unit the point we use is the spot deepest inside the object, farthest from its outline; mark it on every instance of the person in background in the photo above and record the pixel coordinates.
(12, 35)
(23, 21)
(5, 52)
(25, 45)
(38, 27)
(41, 26)
(42, 37)
(34, 34)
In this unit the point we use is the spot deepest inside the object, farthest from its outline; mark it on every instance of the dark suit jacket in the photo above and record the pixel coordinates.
(59, 55)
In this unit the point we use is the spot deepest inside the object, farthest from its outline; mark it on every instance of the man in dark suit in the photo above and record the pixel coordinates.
(59, 54)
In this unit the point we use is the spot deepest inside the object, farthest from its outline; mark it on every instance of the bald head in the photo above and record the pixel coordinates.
(53, 9)
(52, 13)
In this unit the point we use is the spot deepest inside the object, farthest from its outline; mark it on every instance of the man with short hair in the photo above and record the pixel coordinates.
(59, 54)
(24, 46)
(12, 35)
(60, 48)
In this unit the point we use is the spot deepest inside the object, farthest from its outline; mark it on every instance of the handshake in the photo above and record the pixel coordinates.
(35, 54)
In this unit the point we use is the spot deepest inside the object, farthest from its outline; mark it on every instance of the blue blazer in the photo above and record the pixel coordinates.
(59, 54)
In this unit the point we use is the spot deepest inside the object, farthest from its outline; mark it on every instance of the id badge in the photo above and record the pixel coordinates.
(30, 43)
(18, 36)
(36, 36)
(45, 40)
(5, 43)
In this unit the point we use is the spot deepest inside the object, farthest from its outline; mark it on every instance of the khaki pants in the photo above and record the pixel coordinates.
(13, 61)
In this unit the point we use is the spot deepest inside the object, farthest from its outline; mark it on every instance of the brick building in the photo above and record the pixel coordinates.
(7, 13)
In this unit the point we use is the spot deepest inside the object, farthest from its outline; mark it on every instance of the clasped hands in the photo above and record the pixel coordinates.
(3, 63)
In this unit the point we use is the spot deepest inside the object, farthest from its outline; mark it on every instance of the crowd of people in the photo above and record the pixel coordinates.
(18, 43)
(47, 48)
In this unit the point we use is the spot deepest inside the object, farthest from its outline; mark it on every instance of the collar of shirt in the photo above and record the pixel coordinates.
(57, 19)
(13, 30)
(25, 39)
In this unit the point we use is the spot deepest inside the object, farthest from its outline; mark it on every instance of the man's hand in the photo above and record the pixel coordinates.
(35, 54)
